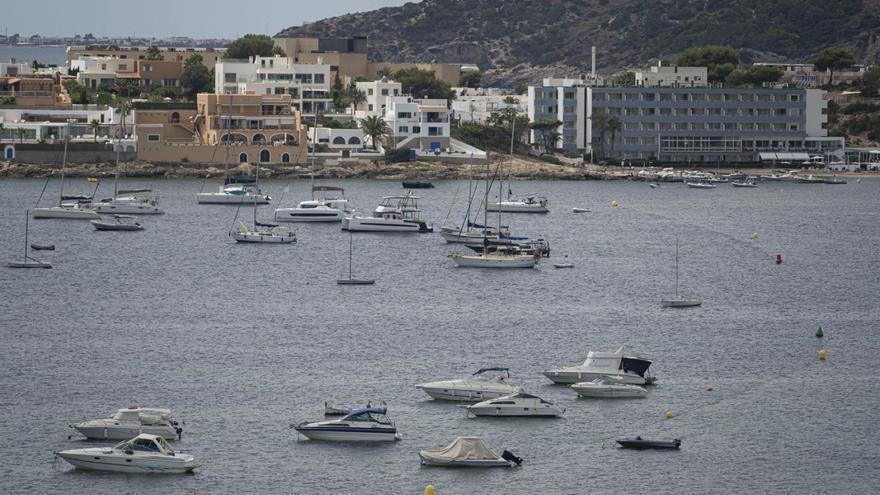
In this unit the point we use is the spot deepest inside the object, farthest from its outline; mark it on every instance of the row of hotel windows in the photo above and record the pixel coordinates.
(712, 143)
(679, 112)
(432, 131)
(677, 96)
(710, 126)
(383, 92)
(232, 77)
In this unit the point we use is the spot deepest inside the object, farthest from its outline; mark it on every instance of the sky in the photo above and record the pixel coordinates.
(162, 18)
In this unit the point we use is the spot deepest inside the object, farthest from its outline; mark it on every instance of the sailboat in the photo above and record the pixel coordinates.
(261, 232)
(127, 201)
(468, 232)
(350, 280)
(233, 191)
(74, 209)
(498, 258)
(679, 301)
(28, 261)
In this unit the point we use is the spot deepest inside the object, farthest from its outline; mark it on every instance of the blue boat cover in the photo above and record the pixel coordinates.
(365, 410)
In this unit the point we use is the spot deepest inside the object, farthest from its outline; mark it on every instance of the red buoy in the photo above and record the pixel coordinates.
(778, 259)
(709, 389)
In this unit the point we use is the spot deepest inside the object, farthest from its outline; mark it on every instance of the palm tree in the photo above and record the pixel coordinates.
(22, 133)
(600, 121)
(95, 126)
(357, 98)
(375, 127)
(124, 109)
(2, 130)
(614, 125)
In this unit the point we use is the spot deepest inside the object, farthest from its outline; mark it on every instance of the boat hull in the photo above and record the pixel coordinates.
(464, 395)
(68, 213)
(680, 303)
(99, 460)
(264, 238)
(308, 215)
(609, 392)
(494, 261)
(494, 207)
(107, 226)
(530, 412)
(358, 224)
(128, 209)
(572, 377)
(431, 460)
(231, 199)
(341, 434)
(29, 264)
(456, 237)
(124, 432)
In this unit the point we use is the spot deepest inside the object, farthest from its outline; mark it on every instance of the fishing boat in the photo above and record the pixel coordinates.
(129, 422)
(122, 223)
(679, 301)
(350, 280)
(486, 383)
(367, 424)
(394, 214)
(468, 452)
(629, 369)
(261, 232)
(518, 404)
(143, 454)
(609, 387)
(69, 207)
(638, 443)
(28, 261)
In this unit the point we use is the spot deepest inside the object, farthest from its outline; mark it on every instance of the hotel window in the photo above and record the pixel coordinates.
(402, 129)
(794, 97)
(385, 92)
(396, 92)
(370, 92)
(229, 77)
(370, 107)
(152, 137)
(416, 129)
(319, 78)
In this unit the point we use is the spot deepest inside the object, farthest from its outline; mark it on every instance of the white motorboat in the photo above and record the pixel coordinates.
(394, 214)
(701, 185)
(609, 387)
(234, 193)
(143, 454)
(368, 424)
(580, 210)
(263, 233)
(678, 301)
(320, 208)
(630, 369)
(129, 422)
(527, 204)
(486, 383)
(29, 261)
(121, 223)
(516, 404)
(495, 260)
(468, 452)
(745, 183)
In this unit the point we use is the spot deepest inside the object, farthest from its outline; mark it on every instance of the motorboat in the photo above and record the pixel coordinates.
(495, 260)
(263, 233)
(486, 383)
(654, 185)
(233, 192)
(121, 223)
(72, 211)
(810, 179)
(609, 387)
(415, 184)
(516, 404)
(580, 210)
(630, 369)
(563, 265)
(394, 214)
(638, 443)
(144, 453)
(29, 261)
(468, 452)
(320, 208)
(744, 183)
(367, 424)
(526, 204)
(785, 176)
(129, 422)
(700, 185)
(834, 180)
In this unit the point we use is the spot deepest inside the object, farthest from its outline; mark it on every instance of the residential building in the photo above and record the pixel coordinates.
(92, 72)
(308, 85)
(806, 75)
(152, 73)
(377, 92)
(32, 92)
(673, 75)
(337, 139)
(478, 104)
(348, 58)
(51, 123)
(418, 124)
(687, 124)
(15, 69)
(210, 56)
(257, 128)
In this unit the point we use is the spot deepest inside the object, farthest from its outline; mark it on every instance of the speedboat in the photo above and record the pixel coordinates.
(394, 214)
(495, 260)
(131, 421)
(235, 192)
(701, 185)
(368, 424)
(320, 209)
(263, 233)
(516, 404)
(73, 211)
(580, 210)
(528, 204)
(486, 383)
(143, 454)
(608, 387)
(138, 202)
(119, 224)
(810, 179)
(744, 183)
(639, 443)
(630, 369)
(468, 452)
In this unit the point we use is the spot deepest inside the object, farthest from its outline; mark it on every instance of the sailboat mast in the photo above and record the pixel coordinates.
(509, 171)
(257, 186)
(486, 209)
(676, 267)
(118, 145)
(350, 236)
(312, 154)
(63, 163)
(26, 229)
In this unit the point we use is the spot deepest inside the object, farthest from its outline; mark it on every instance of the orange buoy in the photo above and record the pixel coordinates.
(778, 259)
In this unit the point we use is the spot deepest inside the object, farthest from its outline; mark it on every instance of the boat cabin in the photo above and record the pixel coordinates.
(370, 414)
(146, 443)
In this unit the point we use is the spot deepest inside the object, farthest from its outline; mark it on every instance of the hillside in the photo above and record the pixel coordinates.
(518, 40)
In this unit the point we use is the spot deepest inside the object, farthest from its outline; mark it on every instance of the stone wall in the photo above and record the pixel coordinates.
(53, 153)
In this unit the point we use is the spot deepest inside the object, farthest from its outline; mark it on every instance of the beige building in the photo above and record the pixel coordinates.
(210, 56)
(348, 57)
(33, 92)
(257, 128)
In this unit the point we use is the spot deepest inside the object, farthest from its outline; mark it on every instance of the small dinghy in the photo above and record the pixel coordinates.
(42, 247)
(415, 184)
(125, 223)
(468, 452)
(653, 185)
(580, 210)
(638, 443)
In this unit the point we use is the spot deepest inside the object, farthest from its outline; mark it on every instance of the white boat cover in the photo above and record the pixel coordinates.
(465, 448)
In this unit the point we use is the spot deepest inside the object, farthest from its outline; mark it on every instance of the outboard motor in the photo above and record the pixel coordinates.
(179, 431)
(508, 456)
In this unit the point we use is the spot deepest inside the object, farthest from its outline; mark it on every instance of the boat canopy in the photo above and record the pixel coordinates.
(636, 365)
(365, 411)
(467, 448)
(486, 370)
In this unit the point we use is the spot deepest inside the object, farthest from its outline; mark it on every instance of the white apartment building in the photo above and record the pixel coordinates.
(337, 139)
(15, 69)
(418, 124)
(478, 104)
(672, 76)
(55, 123)
(377, 92)
(94, 71)
(308, 85)
(807, 75)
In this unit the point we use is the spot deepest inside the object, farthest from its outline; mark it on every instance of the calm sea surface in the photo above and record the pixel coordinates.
(44, 54)
(244, 340)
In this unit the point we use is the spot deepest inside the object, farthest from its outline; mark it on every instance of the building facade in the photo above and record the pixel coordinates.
(808, 76)
(418, 124)
(665, 76)
(210, 56)
(377, 94)
(687, 124)
(478, 104)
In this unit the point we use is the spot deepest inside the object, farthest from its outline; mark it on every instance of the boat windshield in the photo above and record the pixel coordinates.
(141, 444)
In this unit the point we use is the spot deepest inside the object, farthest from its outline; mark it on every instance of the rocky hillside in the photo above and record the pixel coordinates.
(520, 40)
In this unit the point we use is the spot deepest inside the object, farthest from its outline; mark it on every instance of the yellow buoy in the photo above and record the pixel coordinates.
(754, 235)
(429, 490)
(668, 414)
(92, 179)
(614, 203)
(822, 355)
